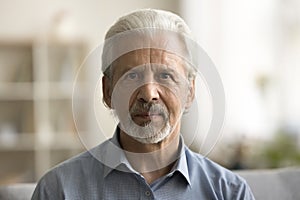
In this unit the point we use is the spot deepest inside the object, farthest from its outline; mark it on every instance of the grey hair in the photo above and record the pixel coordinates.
(150, 18)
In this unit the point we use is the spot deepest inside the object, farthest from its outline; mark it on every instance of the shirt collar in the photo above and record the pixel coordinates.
(114, 158)
(181, 164)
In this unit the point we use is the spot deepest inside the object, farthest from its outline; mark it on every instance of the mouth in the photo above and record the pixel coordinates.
(144, 114)
(143, 118)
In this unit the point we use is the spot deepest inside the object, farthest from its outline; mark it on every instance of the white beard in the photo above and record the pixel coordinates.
(149, 133)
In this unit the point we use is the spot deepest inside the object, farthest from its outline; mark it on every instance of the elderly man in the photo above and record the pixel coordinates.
(148, 82)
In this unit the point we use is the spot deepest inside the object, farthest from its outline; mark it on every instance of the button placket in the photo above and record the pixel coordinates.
(148, 193)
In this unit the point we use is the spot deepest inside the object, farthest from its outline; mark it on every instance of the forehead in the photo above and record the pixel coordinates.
(148, 56)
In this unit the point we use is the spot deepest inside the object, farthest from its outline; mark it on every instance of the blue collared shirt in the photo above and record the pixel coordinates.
(85, 177)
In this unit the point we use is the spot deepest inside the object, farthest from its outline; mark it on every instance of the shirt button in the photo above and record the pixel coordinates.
(147, 193)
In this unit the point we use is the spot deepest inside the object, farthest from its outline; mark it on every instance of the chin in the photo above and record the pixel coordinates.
(149, 140)
(159, 136)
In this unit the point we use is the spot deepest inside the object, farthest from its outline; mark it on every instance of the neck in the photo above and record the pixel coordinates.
(151, 160)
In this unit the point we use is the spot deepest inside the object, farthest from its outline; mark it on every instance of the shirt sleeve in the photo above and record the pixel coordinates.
(48, 188)
(243, 192)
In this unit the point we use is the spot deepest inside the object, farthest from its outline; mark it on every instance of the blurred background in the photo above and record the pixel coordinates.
(254, 44)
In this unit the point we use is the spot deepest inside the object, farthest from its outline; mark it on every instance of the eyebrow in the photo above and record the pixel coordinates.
(121, 68)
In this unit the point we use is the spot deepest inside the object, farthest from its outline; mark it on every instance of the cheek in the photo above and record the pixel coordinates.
(173, 104)
(132, 100)
(123, 97)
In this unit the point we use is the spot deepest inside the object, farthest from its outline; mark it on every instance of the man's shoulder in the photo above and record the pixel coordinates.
(71, 176)
(205, 167)
(84, 162)
(78, 160)
(218, 181)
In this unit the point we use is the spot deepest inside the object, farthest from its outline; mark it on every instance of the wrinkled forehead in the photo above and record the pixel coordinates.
(150, 58)
(145, 46)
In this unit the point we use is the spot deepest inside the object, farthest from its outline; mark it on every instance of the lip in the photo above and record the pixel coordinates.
(146, 116)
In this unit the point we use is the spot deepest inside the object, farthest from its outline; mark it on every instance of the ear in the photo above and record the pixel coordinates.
(191, 94)
(106, 90)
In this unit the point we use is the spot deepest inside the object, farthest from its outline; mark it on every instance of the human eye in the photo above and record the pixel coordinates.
(131, 76)
(168, 77)
(165, 76)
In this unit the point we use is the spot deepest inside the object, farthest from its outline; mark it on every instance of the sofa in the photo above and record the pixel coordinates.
(281, 184)
(20, 191)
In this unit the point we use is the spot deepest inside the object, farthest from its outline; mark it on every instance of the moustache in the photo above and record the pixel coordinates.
(149, 108)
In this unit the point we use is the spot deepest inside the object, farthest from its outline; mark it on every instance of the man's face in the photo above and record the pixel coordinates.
(149, 91)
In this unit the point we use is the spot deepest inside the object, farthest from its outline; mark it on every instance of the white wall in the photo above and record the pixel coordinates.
(91, 18)
(249, 40)
(240, 36)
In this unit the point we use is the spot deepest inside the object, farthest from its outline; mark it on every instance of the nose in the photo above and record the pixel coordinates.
(148, 93)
